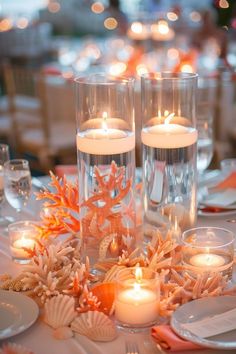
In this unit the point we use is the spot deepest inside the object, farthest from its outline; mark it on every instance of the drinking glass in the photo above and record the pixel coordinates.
(4, 156)
(17, 180)
(206, 103)
(204, 143)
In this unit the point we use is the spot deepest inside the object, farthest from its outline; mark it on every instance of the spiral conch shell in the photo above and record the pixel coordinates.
(59, 313)
(95, 325)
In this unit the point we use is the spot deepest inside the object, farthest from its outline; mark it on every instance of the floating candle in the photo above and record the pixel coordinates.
(106, 138)
(207, 260)
(168, 135)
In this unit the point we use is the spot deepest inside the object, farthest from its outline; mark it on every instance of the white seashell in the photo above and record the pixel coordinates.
(95, 325)
(13, 348)
(104, 245)
(59, 311)
(111, 275)
(63, 333)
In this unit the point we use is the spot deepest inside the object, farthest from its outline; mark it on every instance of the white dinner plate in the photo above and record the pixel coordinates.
(17, 313)
(202, 309)
(216, 214)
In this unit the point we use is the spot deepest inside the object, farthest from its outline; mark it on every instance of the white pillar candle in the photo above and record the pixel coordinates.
(106, 139)
(168, 135)
(137, 300)
(136, 306)
(204, 260)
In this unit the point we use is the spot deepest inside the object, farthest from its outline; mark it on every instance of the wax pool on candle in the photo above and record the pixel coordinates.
(136, 306)
(169, 135)
(105, 140)
(207, 260)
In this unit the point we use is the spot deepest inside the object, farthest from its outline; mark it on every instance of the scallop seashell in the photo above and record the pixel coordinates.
(13, 348)
(111, 275)
(59, 311)
(105, 293)
(95, 325)
(104, 245)
(63, 333)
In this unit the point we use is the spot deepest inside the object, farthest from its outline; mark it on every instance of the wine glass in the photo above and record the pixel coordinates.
(206, 102)
(204, 143)
(17, 180)
(4, 156)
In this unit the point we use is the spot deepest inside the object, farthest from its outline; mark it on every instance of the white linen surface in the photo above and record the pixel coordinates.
(39, 338)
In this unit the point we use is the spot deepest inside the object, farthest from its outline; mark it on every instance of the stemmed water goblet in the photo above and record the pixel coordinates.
(206, 103)
(17, 180)
(4, 156)
(205, 143)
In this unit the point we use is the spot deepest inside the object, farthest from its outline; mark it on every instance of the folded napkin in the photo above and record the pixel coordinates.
(61, 170)
(168, 340)
(51, 70)
(228, 182)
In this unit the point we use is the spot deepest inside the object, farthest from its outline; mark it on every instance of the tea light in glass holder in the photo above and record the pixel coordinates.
(137, 298)
(23, 236)
(208, 249)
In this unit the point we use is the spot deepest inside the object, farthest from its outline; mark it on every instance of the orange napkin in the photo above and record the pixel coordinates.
(168, 340)
(228, 182)
(61, 170)
(51, 70)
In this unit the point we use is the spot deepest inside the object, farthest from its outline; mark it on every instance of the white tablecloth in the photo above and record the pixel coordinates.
(39, 338)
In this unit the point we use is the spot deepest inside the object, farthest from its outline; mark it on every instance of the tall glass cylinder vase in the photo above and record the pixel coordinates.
(106, 166)
(169, 138)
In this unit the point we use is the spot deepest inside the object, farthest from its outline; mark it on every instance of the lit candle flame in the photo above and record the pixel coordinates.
(169, 118)
(138, 277)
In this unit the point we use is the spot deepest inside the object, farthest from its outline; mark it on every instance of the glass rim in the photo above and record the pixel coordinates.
(30, 223)
(168, 75)
(16, 161)
(230, 159)
(112, 80)
(210, 228)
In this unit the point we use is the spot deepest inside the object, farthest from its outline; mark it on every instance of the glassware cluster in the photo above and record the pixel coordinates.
(106, 159)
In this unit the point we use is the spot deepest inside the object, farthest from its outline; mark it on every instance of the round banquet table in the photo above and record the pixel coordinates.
(39, 338)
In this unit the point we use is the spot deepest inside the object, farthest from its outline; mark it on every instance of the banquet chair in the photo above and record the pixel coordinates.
(45, 139)
(23, 104)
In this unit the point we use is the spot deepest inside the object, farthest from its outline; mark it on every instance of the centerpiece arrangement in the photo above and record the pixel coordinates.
(72, 298)
(87, 265)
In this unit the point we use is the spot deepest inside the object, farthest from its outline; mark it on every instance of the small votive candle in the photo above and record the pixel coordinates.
(23, 236)
(137, 298)
(208, 249)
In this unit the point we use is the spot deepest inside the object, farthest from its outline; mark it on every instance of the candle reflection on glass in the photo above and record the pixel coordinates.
(207, 260)
(137, 298)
